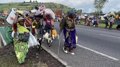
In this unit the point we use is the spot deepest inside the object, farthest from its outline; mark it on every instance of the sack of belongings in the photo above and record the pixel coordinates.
(54, 33)
(49, 12)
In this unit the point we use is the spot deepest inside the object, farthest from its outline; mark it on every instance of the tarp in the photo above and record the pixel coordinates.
(20, 11)
(5, 34)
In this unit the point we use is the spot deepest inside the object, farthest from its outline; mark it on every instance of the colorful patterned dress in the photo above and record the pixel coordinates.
(21, 48)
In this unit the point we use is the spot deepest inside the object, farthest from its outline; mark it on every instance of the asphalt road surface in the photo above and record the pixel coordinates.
(96, 48)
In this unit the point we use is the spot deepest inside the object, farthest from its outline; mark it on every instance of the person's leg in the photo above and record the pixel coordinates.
(93, 23)
(96, 25)
(73, 41)
(45, 28)
(119, 27)
(87, 23)
(79, 21)
(106, 24)
(110, 26)
(66, 42)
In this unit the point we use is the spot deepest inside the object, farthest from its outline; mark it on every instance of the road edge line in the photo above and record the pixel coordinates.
(55, 56)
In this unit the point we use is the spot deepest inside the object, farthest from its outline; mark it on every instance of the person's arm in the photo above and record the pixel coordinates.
(28, 21)
(52, 22)
(15, 23)
(62, 24)
(44, 14)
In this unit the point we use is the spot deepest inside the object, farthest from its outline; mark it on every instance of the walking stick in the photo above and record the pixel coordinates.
(59, 44)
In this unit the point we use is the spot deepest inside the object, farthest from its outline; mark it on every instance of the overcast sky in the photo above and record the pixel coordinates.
(85, 5)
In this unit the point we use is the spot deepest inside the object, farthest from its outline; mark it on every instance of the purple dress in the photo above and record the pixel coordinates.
(70, 37)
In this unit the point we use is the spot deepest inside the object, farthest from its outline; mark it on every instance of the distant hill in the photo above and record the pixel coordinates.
(29, 6)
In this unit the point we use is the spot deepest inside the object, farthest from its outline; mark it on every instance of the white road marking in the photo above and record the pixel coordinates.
(99, 31)
(105, 55)
(113, 58)
(107, 35)
(110, 57)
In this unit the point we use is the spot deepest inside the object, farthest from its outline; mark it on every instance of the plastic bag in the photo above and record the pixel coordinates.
(46, 35)
(32, 41)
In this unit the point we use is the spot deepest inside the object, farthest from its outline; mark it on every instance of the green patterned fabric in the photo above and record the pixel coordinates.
(6, 34)
(2, 17)
(21, 50)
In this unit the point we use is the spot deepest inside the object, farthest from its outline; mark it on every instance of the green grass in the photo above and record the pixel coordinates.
(29, 6)
(102, 25)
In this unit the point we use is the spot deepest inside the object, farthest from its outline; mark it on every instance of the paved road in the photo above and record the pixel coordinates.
(96, 48)
(102, 40)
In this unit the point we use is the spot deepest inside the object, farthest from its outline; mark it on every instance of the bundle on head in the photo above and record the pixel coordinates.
(71, 14)
(21, 21)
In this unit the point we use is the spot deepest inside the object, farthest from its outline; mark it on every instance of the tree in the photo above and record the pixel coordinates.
(24, 2)
(99, 4)
(79, 11)
(36, 1)
(30, 1)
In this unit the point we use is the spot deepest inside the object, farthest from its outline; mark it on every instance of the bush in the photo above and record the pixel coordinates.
(23, 4)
